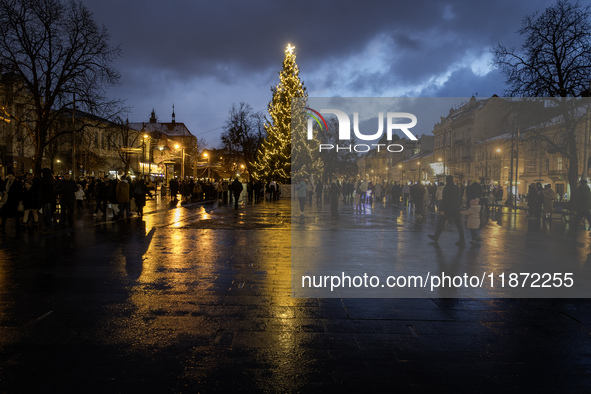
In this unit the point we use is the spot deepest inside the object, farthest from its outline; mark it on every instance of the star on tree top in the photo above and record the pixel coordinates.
(289, 49)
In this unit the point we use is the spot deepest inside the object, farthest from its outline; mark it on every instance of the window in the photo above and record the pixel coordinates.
(531, 166)
(559, 164)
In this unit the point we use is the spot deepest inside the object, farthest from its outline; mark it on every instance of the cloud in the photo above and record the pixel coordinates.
(231, 51)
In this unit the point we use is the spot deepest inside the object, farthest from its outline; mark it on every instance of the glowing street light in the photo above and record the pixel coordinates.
(182, 148)
(207, 156)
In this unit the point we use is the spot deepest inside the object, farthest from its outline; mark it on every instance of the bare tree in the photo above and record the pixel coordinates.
(59, 56)
(125, 141)
(554, 61)
(243, 133)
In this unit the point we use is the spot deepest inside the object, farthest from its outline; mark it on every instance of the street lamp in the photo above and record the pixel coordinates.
(207, 156)
(419, 164)
(500, 166)
(146, 136)
(177, 146)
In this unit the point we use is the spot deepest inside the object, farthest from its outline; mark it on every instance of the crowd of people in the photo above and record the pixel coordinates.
(450, 199)
(55, 199)
(418, 196)
(47, 202)
(211, 189)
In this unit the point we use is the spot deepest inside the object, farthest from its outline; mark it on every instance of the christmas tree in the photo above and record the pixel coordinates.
(274, 156)
(306, 163)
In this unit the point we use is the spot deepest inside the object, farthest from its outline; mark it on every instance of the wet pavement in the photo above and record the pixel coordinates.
(197, 298)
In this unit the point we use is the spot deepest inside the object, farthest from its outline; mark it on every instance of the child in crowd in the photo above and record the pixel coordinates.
(79, 198)
(473, 214)
(30, 204)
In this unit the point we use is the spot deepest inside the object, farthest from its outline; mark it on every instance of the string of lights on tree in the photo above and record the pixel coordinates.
(274, 158)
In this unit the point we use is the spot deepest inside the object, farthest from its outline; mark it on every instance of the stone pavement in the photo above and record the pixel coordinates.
(196, 298)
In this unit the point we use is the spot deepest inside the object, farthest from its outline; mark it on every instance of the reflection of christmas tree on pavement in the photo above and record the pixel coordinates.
(274, 156)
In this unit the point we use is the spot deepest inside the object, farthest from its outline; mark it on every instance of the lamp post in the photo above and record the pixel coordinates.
(148, 140)
(498, 150)
(207, 156)
(182, 160)
(419, 164)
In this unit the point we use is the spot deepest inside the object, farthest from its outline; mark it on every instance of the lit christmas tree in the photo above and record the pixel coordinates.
(274, 157)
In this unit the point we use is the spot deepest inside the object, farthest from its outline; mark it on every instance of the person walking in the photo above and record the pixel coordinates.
(12, 197)
(335, 191)
(405, 194)
(123, 197)
(139, 195)
(450, 210)
(236, 190)
(301, 193)
(80, 198)
(417, 193)
(548, 203)
(582, 204)
(439, 195)
(112, 193)
(473, 224)
(47, 199)
(66, 189)
(101, 195)
(30, 204)
(174, 188)
(319, 187)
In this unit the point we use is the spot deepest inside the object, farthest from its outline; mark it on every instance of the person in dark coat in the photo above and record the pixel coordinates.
(12, 196)
(66, 189)
(582, 204)
(101, 193)
(236, 190)
(112, 195)
(417, 193)
(450, 210)
(30, 203)
(533, 201)
(47, 199)
(250, 190)
(139, 195)
(335, 192)
(474, 190)
(174, 188)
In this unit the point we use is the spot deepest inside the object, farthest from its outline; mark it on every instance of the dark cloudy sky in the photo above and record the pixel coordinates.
(205, 55)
